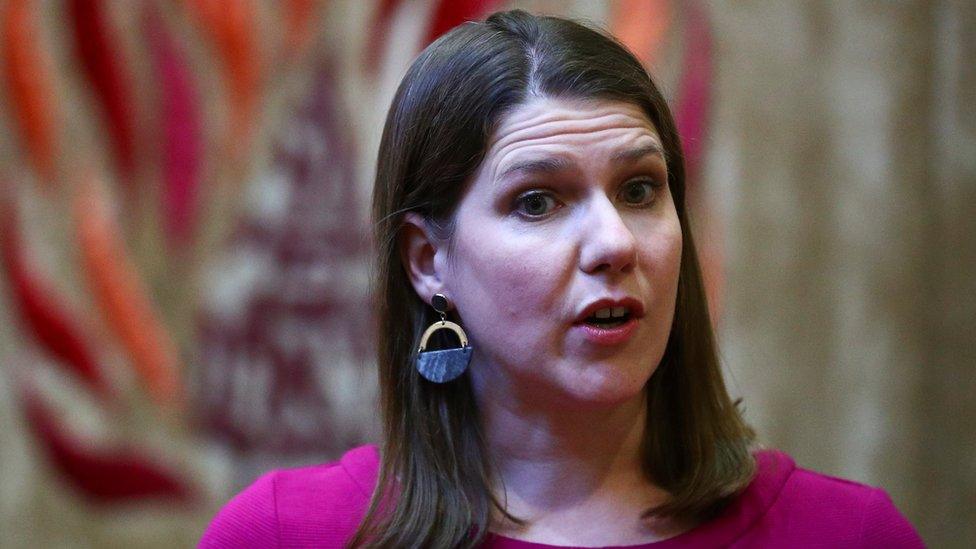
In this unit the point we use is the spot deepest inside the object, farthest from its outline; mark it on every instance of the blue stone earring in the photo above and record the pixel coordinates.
(443, 365)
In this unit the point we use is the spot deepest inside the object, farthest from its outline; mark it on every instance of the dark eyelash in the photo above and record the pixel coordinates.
(654, 183)
(652, 180)
(536, 192)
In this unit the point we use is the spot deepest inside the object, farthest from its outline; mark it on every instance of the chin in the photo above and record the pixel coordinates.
(608, 387)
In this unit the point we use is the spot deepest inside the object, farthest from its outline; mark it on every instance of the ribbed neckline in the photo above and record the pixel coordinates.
(773, 468)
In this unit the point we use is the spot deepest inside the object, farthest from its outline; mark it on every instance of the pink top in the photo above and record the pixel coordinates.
(321, 506)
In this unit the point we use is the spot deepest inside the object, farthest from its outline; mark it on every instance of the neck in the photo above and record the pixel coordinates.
(557, 465)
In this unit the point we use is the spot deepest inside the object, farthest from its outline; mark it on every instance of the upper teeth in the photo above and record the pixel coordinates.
(607, 312)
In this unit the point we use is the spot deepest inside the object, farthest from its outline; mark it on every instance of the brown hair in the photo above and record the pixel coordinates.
(434, 487)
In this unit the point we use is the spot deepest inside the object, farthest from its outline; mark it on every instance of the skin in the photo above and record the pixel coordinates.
(563, 417)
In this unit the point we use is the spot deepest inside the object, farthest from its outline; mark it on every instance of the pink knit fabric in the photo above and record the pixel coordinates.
(784, 506)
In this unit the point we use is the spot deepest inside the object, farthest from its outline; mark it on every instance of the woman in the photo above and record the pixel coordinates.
(530, 187)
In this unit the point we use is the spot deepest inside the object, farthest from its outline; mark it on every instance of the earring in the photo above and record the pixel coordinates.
(442, 365)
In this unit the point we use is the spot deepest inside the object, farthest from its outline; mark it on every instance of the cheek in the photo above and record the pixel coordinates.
(507, 284)
(671, 253)
(662, 260)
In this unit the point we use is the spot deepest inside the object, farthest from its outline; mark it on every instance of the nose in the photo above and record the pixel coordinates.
(607, 244)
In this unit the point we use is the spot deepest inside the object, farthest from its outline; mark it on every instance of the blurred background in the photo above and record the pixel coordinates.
(184, 251)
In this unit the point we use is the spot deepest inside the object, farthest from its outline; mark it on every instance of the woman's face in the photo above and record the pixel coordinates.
(569, 207)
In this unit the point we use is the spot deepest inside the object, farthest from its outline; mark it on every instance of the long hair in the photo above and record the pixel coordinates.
(435, 479)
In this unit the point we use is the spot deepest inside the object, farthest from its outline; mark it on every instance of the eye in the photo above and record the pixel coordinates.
(535, 204)
(639, 192)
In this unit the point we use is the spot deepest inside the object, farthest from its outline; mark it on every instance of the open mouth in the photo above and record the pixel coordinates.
(608, 318)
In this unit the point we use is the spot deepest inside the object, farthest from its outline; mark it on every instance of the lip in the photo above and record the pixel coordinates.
(609, 336)
(634, 305)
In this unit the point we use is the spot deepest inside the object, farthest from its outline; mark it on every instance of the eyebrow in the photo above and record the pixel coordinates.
(631, 155)
(540, 166)
(554, 165)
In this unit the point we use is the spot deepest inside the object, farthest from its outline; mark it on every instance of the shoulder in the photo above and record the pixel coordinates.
(814, 508)
(247, 520)
(319, 505)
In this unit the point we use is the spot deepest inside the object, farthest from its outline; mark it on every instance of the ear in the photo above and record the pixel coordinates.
(422, 256)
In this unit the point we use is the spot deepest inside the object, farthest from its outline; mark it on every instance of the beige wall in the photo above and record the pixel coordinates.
(843, 164)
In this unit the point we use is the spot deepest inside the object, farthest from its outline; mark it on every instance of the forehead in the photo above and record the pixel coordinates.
(569, 126)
